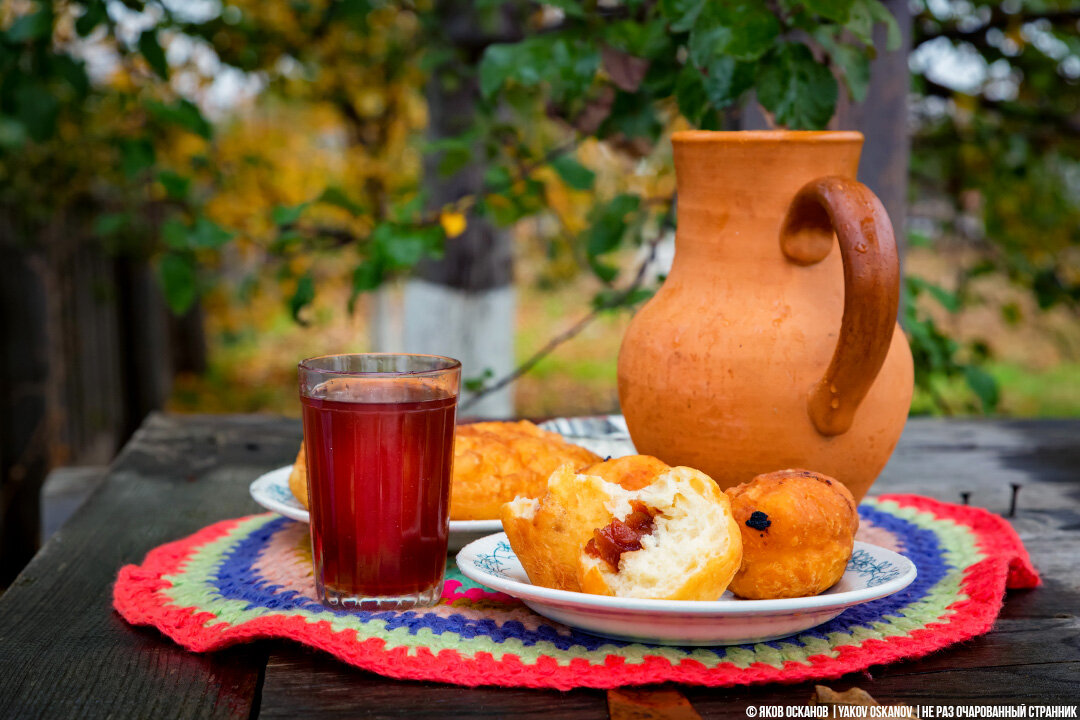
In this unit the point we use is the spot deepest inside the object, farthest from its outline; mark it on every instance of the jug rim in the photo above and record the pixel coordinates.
(740, 136)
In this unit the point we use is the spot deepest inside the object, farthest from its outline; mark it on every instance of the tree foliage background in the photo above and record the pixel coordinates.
(251, 149)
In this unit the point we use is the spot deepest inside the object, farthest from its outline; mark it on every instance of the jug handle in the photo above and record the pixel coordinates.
(871, 288)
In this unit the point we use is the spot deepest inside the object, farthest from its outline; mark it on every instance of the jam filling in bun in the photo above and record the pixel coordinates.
(622, 536)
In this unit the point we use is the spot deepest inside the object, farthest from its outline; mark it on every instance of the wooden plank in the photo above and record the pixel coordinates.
(64, 652)
(1047, 684)
(299, 683)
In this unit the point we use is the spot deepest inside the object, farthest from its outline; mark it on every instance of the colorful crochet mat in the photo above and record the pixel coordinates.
(250, 578)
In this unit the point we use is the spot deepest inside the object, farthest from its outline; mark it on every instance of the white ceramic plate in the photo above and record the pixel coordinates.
(605, 435)
(873, 573)
(272, 492)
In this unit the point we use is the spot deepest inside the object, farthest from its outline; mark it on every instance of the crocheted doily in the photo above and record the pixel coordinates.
(250, 578)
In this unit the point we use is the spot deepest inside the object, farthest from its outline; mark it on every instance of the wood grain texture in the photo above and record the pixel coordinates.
(64, 652)
(1046, 684)
(301, 682)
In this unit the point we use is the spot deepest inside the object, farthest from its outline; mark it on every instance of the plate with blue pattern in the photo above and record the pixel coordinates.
(872, 573)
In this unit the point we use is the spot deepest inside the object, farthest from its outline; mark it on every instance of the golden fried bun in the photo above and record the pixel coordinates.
(675, 539)
(548, 533)
(798, 529)
(298, 477)
(495, 462)
(632, 472)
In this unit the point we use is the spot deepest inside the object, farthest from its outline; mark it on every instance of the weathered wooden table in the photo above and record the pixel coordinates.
(65, 653)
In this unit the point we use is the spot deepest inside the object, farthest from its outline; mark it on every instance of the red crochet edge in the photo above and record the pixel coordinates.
(1007, 565)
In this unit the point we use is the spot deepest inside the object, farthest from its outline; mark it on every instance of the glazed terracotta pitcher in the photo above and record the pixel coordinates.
(768, 347)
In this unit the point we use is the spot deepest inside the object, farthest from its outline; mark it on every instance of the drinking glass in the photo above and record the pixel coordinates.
(379, 441)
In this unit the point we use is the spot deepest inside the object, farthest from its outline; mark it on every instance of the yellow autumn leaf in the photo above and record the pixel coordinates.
(453, 223)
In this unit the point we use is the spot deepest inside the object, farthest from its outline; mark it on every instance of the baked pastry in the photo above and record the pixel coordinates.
(495, 462)
(674, 539)
(549, 533)
(798, 529)
(631, 472)
(298, 477)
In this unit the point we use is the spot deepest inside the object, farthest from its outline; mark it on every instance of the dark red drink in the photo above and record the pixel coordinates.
(379, 455)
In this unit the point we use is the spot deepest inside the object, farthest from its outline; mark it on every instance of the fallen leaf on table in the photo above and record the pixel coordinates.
(855, 696)
(629, 704)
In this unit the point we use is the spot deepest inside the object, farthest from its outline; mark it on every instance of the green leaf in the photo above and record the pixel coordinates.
(681, 14)
(305, 293)
(572, 8)
(37, 109)
(690, 94)
(496, 67)
(73, 73)
(174, 233)
(12, 133)
(337, 197)
(354, 10)
(407, 210)
(799, 91)
(453, 159)
(609, 224)
(178, 281)
(640, 39)
(566, 64)
(367, 276)
(853, 61)
(93, 16)
(176, 185)
(605, 272)
(284, 215)
(155, 56)
(727, 79)
(205, 234)
(31, 27)
(286, 241)
(919, 239)
(183, 113)
(476, 384)
(573, 173)
(612, 299)
(983, 385)
(402, 246)
(743, 30)
(948, 300)
(1011, 313)
(136, 156)
(108, 224)
(208, 235)
(496, 177)
(865, 14)
(836, 10)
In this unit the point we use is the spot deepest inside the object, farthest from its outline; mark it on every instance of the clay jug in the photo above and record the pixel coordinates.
(767, 347)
